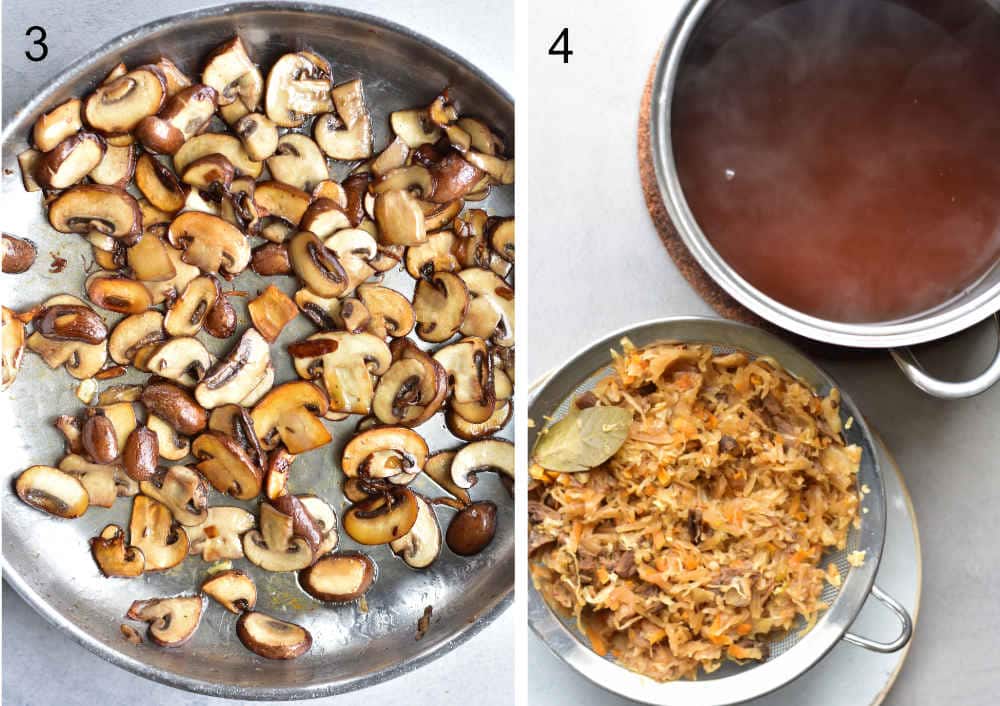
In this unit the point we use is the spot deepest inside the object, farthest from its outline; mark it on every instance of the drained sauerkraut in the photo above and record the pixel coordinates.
(700, 539)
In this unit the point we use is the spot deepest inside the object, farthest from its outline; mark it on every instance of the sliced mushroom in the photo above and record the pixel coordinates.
(212, 173)
(440, 215)
(172, 621)
(422, 544)
(175, 406)
(347, 370)
(353, 315)
(348, 135)
(232, 589)
(435, 255)
(274, 547)
(163, 290)
(355, 249)
(153, 530)
(239, 207)
(473, 431)
(259, 135)
(440, 303)
(210, 243)
(114, 558)
(289, 414)
(438, 467)
(384, 452)
(414, 127)
(297, 86)
(185, 115)
(184, 360)
(217, 143)
(472, 529)
(159, 185)
(412, 389)
(491, 299)
(234, 377)
(400, 219)
(183, 491)
(394, 155)
(382, 518)
(270, 259)
(324, 217)
(234, 421)
(271, 312)
(324, 312)
(53, 491)
(329, 189)
(117, 293)
(227, 466)
(104, 483)
(150, 261)
(116, 167)
(187, 314)
(500, 170)
(454, 178)
(57, 124)
(481, 456)
(317, 266)
(355, 189)
(501, 235)
(218, 537)
(298, 162)
(82, 360)
(70, 161)
(117, 107)
(176, 79)
(221, 321)
(98, 437)
(93, 207)
(281, 201)
(390, 312)
(263, 387)
(279, 464)
(326, 520)
(470, 369)
(12, 347)
(272, 638)
(339, 578)
(28, 162)
(303, 524)
(134, 332)
(170, 445)
(472, 247)
(141, 453)
(233, 75)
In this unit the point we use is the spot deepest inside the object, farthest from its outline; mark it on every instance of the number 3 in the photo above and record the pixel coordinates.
(40, 42)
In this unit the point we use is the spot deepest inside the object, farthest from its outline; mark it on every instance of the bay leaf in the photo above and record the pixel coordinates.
(583, 439)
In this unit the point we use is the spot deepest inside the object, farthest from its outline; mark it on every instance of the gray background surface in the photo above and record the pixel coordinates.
(41, 666)
(596, 265)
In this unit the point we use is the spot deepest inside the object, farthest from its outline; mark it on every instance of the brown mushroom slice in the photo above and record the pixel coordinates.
(298, 85)
(470, 369)
(186, 316)
(117, 107)
(104, 482)
(481, 456)
(303, 524)
(150, 261)
(317, 266)
(114, 558)
(440, 303)
(323, 312)
(482, 138)
(116, 167)
(210, 173)
(230, 71)
(176, 80)
(472, 248)
(172, 621)
(122, 418)
(66, 318)
(183, 491)
(501, 237)
(414, 127)
(234, 377)
(348, 134)
(98, 437)
(53, 491)
(282, 201)
(28, 162)
(325, 518)
(339, 578)
(82, 360)
(134, 332)
(353, 316)
(355, 189)
(454, 178)
(279, 463)
(210, 243)
(70, 161)
(217, 143)
(394, 155)
(272, 638)
(324, 217)
(490, 293)
(220, 322)
(271, 312)
(12, 347)
(438, 468)
(262, 388)
(184, 360)
(422, 544)
(227, 466)
(437, 216)
(413, 388)
(473, 431)
(175, 406)
(219, 536)
(400, 219)
(354, 248)
(435, 255)
(270, 259)
(159, 185)
(154, 531)
(93, 207)
(289, 414)
(259, 135)
(383, 452)
(329, 189)
(500, 170)
(117, 293)
(298, 162)
(141, 453)
(391, 313)
(234, 421)
(185, 115)
(274, 547)
(57, 124)
(472, 529)
(117, 71)
(162, 290)
(238, 206)
(170, 445)
(347, 370)
(232, 589)
(382, 518)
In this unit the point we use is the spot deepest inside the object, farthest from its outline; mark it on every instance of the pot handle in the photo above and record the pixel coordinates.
(904, 618)
(912, 369)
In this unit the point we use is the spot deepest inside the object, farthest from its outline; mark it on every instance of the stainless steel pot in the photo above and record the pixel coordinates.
(973, 305)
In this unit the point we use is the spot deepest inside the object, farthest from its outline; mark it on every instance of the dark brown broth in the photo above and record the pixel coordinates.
(844, 157)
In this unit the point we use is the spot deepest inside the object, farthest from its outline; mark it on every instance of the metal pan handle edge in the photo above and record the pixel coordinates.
(912, 369)
(904, 618)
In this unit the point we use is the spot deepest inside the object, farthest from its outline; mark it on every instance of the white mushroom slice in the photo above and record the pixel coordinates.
(324, 217)
(326, 520)
(185, 115)
(435, 255)
(390, 312)
(324, 312)
(183, 491)
(57, 124)
(70, 161)
(172, 621)
(470, 370)
(394, 155)
(116, 167)
(412, 390)
(298, 162)
(259, 135)
(114, 558)
(348, 135)
(274, 547)
(82, 360)
(176, 79)
(261, 389)
(210, 243)
(104, 482)
(12, 347)
(297, 86)
(53, 491)
(28, 162)
(233, 75)
(399, 218)
(233, 378)
(479, 457)
(227, 466)
(473, 431)
(440, 303)
(218, 537)
(438, 468)
(134, 332)
(272, 638)
(162, 290)
(384, 452)
(347, 371)
(492, 299)
(422, 544)
(117, 107)
(414, 127)
(184, 360)
(232, 589)
(93, 207)
(217, 143)
(154, 531)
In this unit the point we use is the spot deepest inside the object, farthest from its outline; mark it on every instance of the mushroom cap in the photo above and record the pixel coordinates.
(373, 447)
(438, 469)
(481, 456)
(118, 106)
(218, 537)
(89, 207)
(172, 621)
(117, 293)
(472, 529)
(391, 313)
(272, 638)
(298, 162)
(440, 303)
(217, 143)
(274, 547)
(380, 519)
(226, 465)
(489, 291)
(113, 557)
(57, 124)
(412, 389)
(70, 161)
(154, 531)
(183, 491)
(175, 406)
(116, 167)
(104, 482)
(234, 377)
(422, 544)
(470, 369)
(184, 359)
(297, 85)
(339, 578)
(259, 135)
(210, 243)
(233, 589)
(347, 371)
(53, 491)
(289, 413)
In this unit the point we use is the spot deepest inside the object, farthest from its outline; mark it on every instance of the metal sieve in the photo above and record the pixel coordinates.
(797, 650)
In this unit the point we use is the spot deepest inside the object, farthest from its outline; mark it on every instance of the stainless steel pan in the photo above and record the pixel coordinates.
(48, 560)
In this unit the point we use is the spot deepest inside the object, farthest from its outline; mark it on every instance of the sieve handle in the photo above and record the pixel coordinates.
(912, 369)
(904, 618)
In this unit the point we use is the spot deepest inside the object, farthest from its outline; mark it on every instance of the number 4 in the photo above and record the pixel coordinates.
(560, 47)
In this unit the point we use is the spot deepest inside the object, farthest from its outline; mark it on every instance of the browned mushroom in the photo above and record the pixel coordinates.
(98, 437)
(298, 162)
(70, 161)
(275, 547)
(57, 124)
(134, 332)
(233, 420)
(219, 536)
(400, 218)
(104, 482)
(153, 530)
(339, 578)
(211, 174)
(422, 544)
(232, 589)
(141, 453)
(183, 491)
(347, 370)
(82, 359)
(116, 167)
(297, 86)
(271, 312)
(185, 114)
(53, 491)
(117, 293)
(217, 143)
(470, 369)
(348, 134)
(184, 360)
(28, 162)
(114, 558)
(210, 243)
(272, 638)
(117, 107)
(93, 207)
(382, 518)
(289, 414)
(18, 254)
(270, 259)
(473, 528)
(435, 255)
(259, 135)
(234, 377)
(494, 455)
(412, 389)
(175, 405)
(12, 347)
(440, 303)
(226, 465)
(172, 621)
(317, 266)
(438, 468)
